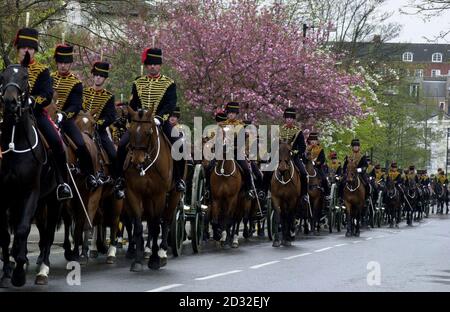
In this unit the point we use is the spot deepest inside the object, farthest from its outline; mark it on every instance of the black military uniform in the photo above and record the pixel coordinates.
(395, 175)
(70, 96)
(253, 145)
(100, 103)
(292, 134)
(361, 161)
(412, 174)
(335, 167)
(158, 95)
(317, 155)
(41, 92)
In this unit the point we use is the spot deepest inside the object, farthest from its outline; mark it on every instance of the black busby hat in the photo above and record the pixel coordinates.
(27, 37)
(333, 155)
(100, 69)
(232, 107)
(420, 171)
(377, 166)
(355, 142)
(290, 113)
(313, 136)
(220, 116)
(412, 167)
(63, 53)
(176, 112)
(152, 56)
(393, 164)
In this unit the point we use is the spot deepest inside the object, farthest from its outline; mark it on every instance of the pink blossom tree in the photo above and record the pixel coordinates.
(249, 51)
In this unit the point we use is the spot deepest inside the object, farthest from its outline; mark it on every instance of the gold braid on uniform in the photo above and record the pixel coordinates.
(34, 70)
(393, 174)
(150, 97)
(94, 101)
(314, 150)
(64, 85)
(288, 134)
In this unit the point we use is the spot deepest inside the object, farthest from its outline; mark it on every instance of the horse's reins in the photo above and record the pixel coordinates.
(144, 171)
(222, 170)
(282, 177)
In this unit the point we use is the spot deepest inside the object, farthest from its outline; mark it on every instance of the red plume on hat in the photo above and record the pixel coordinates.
(144, 55)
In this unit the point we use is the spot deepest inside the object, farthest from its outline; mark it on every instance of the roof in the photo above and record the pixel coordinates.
(422, 52)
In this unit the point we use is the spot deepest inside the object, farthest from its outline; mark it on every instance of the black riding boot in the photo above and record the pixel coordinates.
(208, 171)
(248, 181)
(180, 185)
(87, 167)
(63, 191)
(303, 177)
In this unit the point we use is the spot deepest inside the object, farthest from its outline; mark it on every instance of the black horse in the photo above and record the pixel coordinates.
(27, 188)
(392, 198)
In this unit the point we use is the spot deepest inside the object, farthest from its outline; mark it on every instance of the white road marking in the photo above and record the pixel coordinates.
(217, 275)
(369, 238)
(356, 242)
(297, 256)
(323, 249)
(340, 245)
(164, 288)
(379, 236)
(263, 264)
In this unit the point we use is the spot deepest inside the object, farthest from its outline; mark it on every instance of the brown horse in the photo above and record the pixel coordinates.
(148, 174)
(91, 200)
(315, 194)
(227, 198)
(285, 189)
(354, 199)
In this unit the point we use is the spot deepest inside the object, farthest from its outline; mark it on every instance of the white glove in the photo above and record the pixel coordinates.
(59, 117)
(157, 122)
(359, 170)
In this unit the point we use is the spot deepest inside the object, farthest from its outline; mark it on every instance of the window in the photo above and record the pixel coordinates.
(436, 58)
(419, 73)
(407, 57)
(435, 72)
(414, 90)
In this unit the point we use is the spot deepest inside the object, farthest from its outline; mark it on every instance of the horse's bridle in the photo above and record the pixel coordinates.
(22, 98)
(146, 149)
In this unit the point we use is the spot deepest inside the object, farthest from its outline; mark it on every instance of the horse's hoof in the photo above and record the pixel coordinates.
(316, 233)
(261, 233)
(18, 277)
(218, 244)
(136, 267)
(147, 253)
(396, 226)
(163, 262)
(348, 234)
(5, 282)
(234, 245)
(286, 243)
(41, 280)
(391, 226)
(83, 260)
(69, 256)
(276, 243)
(110, 260)
(119, 245)
(154, 263)
(357, 234)
(93, 254)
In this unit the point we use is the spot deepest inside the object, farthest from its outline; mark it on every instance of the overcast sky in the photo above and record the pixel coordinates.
(414, 27)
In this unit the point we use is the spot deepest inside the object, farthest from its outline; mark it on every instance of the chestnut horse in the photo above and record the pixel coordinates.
(354, 199)
(285, 189)
(150, 191)
(315, 194)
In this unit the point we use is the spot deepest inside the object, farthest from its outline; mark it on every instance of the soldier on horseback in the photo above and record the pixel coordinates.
(317, 155)
(442, 179)
(100, 103)
(292, 134)
(395, 174)
(157, 93)
(335, 167)
(412, 174)
(41, 94)
(232, 110)
(70, 98)
(361, 164)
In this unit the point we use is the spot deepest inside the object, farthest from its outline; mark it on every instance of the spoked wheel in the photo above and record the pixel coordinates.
(177, 230)
(371, 214)
(197, 227)
(198, 222)
(332, 209)
(271, 226)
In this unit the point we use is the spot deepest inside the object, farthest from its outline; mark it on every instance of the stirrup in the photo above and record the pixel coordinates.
(180, 185)
(69, 196)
